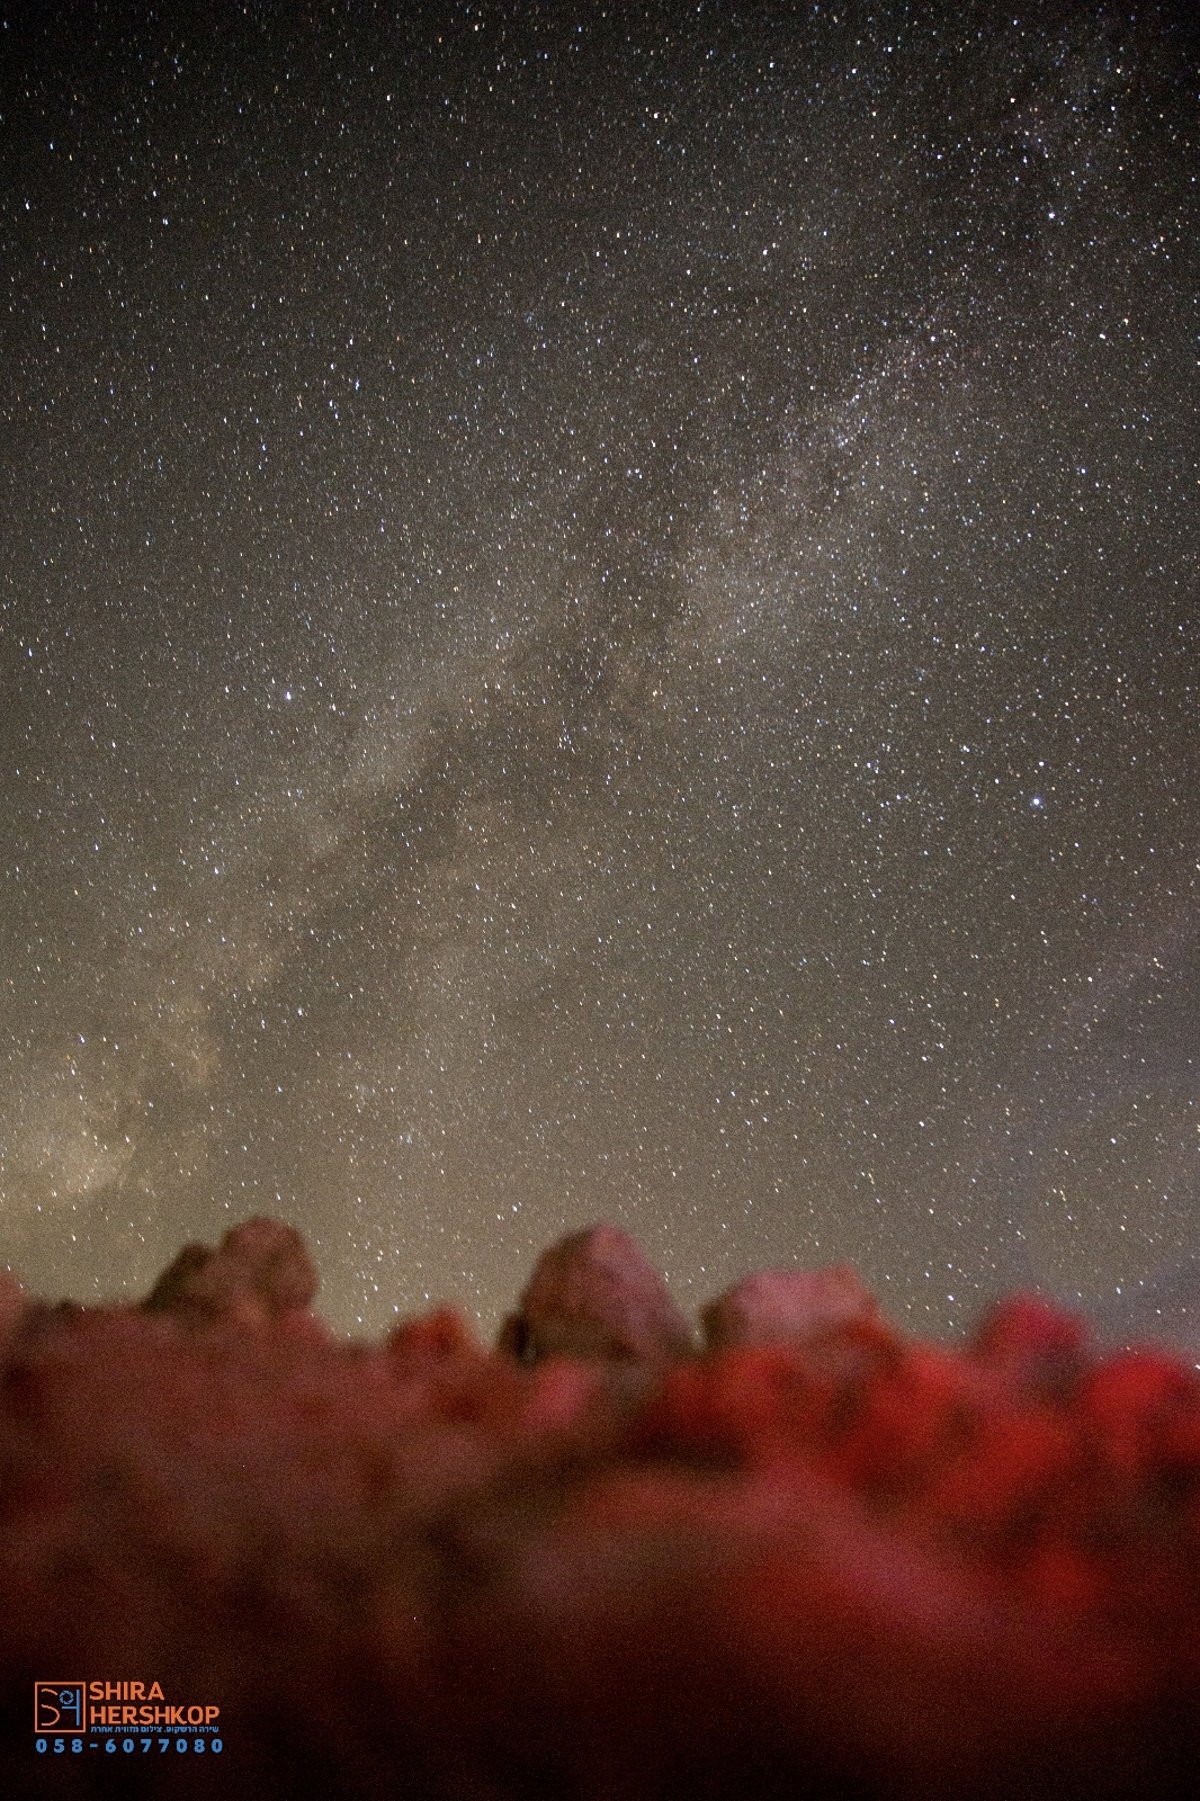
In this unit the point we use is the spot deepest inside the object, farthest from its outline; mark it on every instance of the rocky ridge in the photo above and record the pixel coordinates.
(601, 1560)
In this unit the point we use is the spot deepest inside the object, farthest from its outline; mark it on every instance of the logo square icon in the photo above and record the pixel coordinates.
(58, 1706)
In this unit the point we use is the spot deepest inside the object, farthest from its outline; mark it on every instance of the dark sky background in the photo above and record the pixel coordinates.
(598, 619)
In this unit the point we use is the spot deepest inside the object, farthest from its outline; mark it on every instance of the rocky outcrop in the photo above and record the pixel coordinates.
(593, 1294)
(261, 1270)
(788, 1306)
(819, 1557)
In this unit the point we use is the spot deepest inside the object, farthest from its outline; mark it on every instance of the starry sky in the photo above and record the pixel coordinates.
(599, 620)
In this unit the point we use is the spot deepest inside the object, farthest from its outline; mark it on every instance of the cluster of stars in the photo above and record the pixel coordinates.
(599, 622)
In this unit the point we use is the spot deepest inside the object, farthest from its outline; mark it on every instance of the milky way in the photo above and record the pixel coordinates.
(599, 621)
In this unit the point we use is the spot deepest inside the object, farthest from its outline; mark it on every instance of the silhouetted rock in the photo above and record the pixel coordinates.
(788, 1306)
(261, 1270)
(593, 1294)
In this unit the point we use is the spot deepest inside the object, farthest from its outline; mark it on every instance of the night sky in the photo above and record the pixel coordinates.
(598, 619)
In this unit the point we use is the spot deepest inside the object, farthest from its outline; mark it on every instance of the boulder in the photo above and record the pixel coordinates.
(593, 1294)
(260, 1271)
(788, 1306)
(1034, 1343)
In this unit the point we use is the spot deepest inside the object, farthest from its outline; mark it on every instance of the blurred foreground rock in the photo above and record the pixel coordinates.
(819, 1559)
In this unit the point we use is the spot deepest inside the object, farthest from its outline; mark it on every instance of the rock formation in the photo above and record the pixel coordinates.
(815, 1558)
(787, 1306)
(261, 1270)
(593, 1294)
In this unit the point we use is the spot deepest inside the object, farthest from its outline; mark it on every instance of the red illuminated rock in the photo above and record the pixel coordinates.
(593, 1294)
(820, 1558)
(788, 1306)
(1034, 1343)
